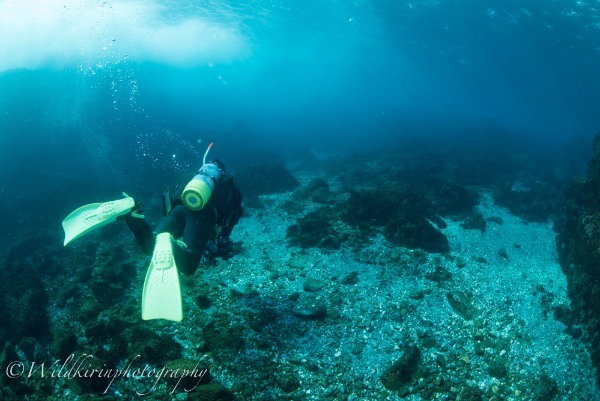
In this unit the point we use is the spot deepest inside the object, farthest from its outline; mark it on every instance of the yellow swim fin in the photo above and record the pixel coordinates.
(92, 216)
(161, 297)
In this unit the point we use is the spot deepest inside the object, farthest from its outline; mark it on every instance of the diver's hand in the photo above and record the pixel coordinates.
(225, 247)
(136, 211)
(208, 259)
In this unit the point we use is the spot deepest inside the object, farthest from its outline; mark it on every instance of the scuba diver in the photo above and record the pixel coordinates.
(199, 219)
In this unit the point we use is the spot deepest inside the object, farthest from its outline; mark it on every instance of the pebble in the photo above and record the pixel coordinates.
(310, 308)
(313, 284)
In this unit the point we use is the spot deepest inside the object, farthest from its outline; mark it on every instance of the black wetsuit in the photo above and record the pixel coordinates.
(197, 229)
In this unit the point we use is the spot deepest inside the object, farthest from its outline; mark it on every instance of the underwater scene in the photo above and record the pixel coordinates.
(212, 200)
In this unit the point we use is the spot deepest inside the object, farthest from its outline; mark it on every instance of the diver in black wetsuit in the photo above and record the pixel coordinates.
(200, 216)
(198, 222)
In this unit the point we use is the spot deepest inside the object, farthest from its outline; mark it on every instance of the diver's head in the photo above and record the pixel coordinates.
(197, 192)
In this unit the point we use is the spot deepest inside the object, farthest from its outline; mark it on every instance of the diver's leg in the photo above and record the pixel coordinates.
(142, 233)
(199, 230)
(187, 261)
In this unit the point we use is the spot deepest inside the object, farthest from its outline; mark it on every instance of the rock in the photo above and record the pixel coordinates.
(316, 190)
(203, 301)
(474, 221)
(413, 232)
(287, 382)
(64, 343)
(441, 360)
(451, 199)
(267, 178)
(427, 339)
(262, 317)
(546, 389)
(461, 262)
(403, 213)
(87, 383)
(479, 348)
(104, 329)
(351, 278)
(188, 374)
(578, 246)
(503, 253)
(292, 206)
(537, 202)
(316, 229)
(152, 347)
(310, 308)
(562, 313)
(221, 334)
(439, 275)
(313, 284)
(498, 368)
(470, 393)
(403, 370)
(23, 300)
(211, 392)
(112, 276)
(461, 304)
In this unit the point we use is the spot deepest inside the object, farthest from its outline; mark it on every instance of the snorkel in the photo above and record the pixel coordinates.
(206, 153)
(198, 191)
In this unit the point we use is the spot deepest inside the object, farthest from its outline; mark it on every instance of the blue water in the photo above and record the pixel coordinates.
(101, 89)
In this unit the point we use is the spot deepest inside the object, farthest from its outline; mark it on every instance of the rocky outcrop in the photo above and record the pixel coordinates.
(578, 244)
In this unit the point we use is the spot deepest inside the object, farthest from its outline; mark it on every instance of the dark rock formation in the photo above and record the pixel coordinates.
(222, 334)
(403, 213)
(461, 304)
(23, 301)
(536, 202)
(403, 370)
(316, 190)
(578, 244)
(310, 307)
(262, 179)
(316, 229)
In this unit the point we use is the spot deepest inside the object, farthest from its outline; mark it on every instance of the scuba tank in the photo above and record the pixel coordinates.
(197, 192)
